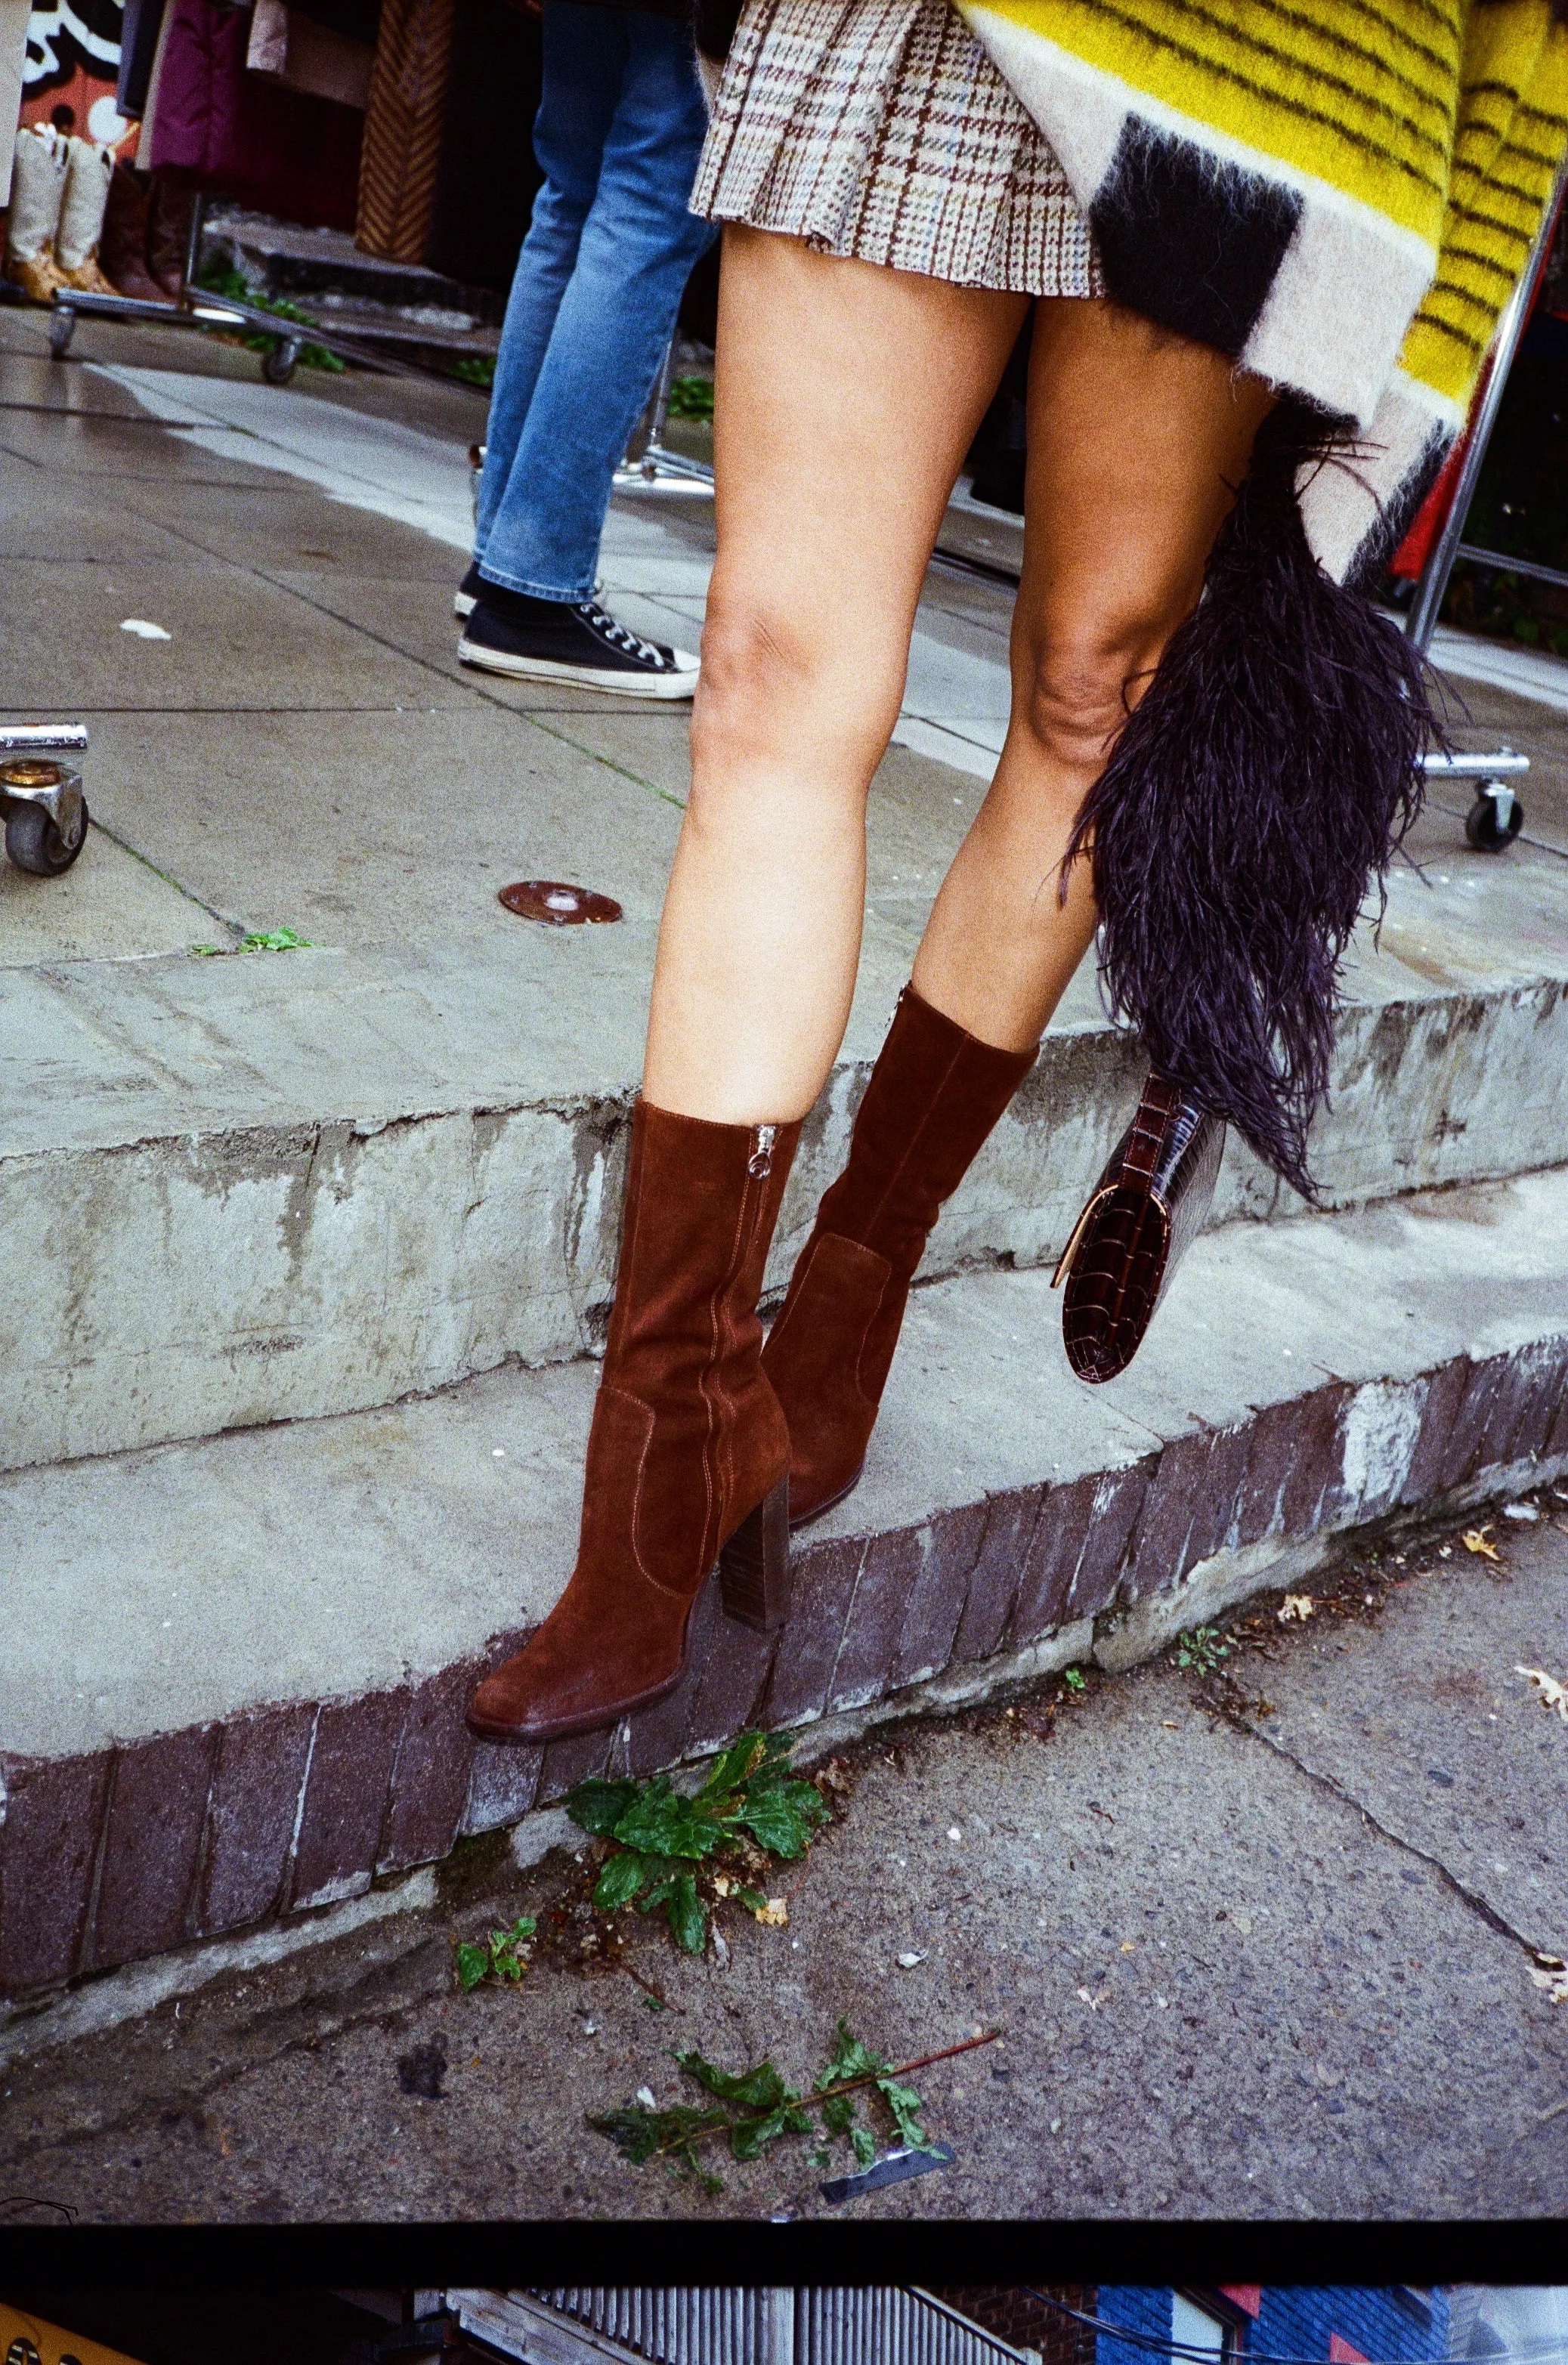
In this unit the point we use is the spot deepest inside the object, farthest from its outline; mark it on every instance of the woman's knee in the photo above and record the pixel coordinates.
(1073, 689)
(772, 677)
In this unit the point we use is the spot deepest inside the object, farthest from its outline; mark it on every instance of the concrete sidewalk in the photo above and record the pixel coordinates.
(1247, 1963)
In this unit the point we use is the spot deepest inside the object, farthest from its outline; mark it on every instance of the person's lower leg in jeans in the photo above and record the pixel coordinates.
(582, 89)
(570, 400)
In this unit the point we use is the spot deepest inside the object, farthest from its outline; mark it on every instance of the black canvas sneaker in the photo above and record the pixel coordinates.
(548, 640)
(472, 588)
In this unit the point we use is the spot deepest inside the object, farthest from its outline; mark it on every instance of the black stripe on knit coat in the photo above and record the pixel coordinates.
(1262, 784)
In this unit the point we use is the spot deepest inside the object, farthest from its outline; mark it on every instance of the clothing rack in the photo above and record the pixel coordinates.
(196, 309)
(1495, 818)
(649, 463)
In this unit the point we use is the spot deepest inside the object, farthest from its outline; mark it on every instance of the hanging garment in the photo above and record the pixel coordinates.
(139, 45)
(235, 134)
(13, 55)
(403, 128)
(293, 49)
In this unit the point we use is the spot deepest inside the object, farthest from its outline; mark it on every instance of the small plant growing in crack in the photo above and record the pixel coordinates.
(1203, 1650)
(676, 1853)
(497, 1957)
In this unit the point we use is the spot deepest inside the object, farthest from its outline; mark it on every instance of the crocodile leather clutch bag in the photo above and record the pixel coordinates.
(1152, 1197)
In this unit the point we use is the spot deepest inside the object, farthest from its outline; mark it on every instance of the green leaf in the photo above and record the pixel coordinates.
(274, 940)
(761, 2089)
(623, 1877)
(597, 1806)
(865, 2144)
(1074, 1680)
(473, 1964)
(662, 1873)
(686, 1914)
(781, 1815)
(851, 2059)
(904, 2104)
(732, 1765)
(750, 2135)
(754, 1901)
(838, 2113)
(662, 1824)
(638, 2133)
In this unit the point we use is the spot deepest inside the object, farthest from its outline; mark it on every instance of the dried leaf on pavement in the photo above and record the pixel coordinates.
(1552, 1979)
(1474, 1540)
(1552, 1693)
(775, 1914)
(1299, 1606)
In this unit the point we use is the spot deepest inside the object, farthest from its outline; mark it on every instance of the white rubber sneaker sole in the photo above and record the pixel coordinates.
(680, 684)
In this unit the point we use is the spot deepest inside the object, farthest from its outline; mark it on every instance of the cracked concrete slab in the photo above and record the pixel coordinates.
(111, 906)
(368, 828)
(1220, 1993)
(1460, 1755)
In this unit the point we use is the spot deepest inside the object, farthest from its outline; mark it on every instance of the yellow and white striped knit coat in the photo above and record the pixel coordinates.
(1340, 193)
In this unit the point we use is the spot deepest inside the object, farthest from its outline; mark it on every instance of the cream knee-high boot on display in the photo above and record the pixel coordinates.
(37, 183)
(88, 172)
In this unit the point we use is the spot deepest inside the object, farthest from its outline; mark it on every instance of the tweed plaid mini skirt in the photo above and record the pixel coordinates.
(880, 129)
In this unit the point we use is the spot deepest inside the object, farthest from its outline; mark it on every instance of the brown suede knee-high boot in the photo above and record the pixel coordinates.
(934, 1095)
(689, 1456)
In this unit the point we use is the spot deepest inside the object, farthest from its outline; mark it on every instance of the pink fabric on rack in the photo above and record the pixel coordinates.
(239, 135)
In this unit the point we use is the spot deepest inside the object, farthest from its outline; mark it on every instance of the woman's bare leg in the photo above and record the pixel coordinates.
(1136, 442)
(846, 397)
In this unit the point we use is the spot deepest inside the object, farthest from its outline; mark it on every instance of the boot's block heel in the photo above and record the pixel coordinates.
(754, 1567)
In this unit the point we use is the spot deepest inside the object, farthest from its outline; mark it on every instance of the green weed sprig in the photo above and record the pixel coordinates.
(754, 2108)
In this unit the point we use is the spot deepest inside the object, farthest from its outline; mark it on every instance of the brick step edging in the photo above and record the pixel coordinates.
(126, 1853)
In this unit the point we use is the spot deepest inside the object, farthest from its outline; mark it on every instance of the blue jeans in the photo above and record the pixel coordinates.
(618, 135)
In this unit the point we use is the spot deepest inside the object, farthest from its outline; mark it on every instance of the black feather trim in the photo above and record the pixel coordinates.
(1256, 794)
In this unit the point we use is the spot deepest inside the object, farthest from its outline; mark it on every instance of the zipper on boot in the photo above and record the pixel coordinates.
(754, 1564)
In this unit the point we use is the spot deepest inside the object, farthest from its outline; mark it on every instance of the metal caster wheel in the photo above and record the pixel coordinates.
(33, 842)
(61, 328)
(277, 367)
(1495, 819)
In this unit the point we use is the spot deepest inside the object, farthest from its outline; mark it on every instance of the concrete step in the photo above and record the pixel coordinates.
(288, 259)
(256, 1189)
(235, 1670)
